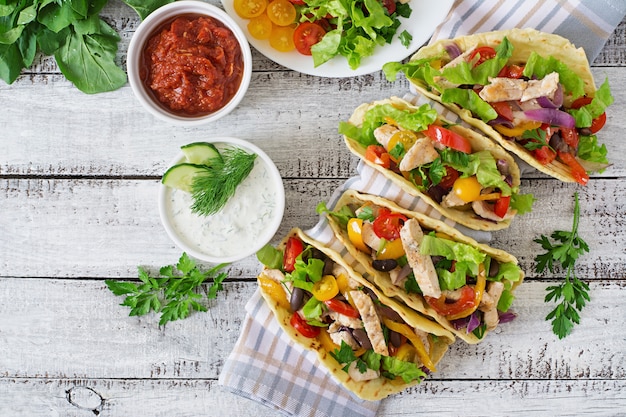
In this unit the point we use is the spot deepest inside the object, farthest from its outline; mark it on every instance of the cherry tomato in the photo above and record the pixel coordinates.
(249, 8)
(484, 53)
(570, 136)
(465, 301)
(293, 248)
(298, 2)
(404, 137)
(503, 109)
(502, 206)
(392, 249)
(579, 173)
(355, 234)
(326, 288)
(448, 138)
(467, 189)
(306, 35)
(342, 308)
(390, 5)
(274, 290)
(304, 328)
(512, 71)
(281, 38)
(281, 12)
(378, 155)
(544, 155)
(388, 225)
(260, 27)
(597, 123)
(448, 180)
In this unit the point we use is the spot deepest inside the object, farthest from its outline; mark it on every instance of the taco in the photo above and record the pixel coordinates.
(435, 270)
(532, 92)
(461, 173)
(370, 343)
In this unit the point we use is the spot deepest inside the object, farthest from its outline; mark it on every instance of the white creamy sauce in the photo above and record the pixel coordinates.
(238, 226)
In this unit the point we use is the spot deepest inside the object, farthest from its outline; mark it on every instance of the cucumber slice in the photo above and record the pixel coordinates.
(200, 153)
(181, 175)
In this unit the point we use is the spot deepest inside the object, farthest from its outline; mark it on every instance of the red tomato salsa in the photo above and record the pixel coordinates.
(193, 65)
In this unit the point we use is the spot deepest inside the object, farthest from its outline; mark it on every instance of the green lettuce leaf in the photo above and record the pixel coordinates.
(538, 66)
(523, 203)
(507, 271)
(465, 74)
(449, 249)
(590, 150)
(469, 100)
(585, 115)
(408, 371)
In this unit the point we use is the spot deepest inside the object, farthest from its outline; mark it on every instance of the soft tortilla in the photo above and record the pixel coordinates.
(382, 279)
(381, 387)
(479, 143)
(524, 41)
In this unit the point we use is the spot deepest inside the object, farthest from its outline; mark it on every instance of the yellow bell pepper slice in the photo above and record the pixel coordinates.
(390, 249)
(517, 130)
(355, 234)
(408, 332)
(275, 291)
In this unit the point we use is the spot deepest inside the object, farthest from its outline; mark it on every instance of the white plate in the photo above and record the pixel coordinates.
(425, 18)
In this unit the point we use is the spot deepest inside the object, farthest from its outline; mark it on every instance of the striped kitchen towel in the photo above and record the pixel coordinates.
(587, 23)
(265, 365)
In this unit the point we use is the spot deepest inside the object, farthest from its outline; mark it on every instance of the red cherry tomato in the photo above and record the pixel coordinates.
(387, 226)
(502, 206)
(544, 155)
(378, 155)
(597, 123)
(484, 53)
(304, 328)
(390, 5)
(448, 138)
(579, 173)
(293, 248)
(570, 136)
(503, 109)
(448, 180)
(306, 35)
(342, 308)
(466, 301)
(511, 71)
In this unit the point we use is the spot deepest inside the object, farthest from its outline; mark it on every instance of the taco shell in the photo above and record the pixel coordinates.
(383, 281)
(478, 142)
(374, 389)
(524, 41)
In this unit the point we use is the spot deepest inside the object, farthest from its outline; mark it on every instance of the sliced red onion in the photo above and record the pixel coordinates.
(501, 121)
(474, 322)
(554, 103)
(507, 317)
(453, 50)
(551, 116)
(461, 323)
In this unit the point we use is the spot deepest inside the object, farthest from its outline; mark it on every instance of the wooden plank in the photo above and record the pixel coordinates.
(64, 329)
(122, 398)
(105, 228)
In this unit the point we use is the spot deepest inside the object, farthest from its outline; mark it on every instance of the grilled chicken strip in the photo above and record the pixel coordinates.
(423, 268)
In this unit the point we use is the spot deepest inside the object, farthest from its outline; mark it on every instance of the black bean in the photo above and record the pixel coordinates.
(494, 268)
(361, 337)
(394, 338)
(297, 299)
(384, 265)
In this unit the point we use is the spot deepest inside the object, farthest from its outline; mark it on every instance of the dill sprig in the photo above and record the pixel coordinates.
(212, 188)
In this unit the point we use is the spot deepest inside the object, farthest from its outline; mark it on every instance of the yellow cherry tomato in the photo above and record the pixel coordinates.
(391, 249)
(275, 291)
(406, 353)
(405, 137)
(467, 189)
(281, 12)
(260, 27)
(355, 234)
(343, 283)
(326, 288)
(281, 38)
(249, 8)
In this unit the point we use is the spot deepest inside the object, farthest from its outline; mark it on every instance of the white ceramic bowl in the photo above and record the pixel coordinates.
(247, 222)
(154, 22)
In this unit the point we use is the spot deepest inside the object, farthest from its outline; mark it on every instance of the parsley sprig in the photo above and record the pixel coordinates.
(174, 296)
(572, 293)
(538, 139)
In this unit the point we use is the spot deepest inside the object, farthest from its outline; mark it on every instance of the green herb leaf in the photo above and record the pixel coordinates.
(212, 188)
(174, 296)
(572, 294)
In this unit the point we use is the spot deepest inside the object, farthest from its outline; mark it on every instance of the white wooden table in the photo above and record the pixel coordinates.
(79, 177)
